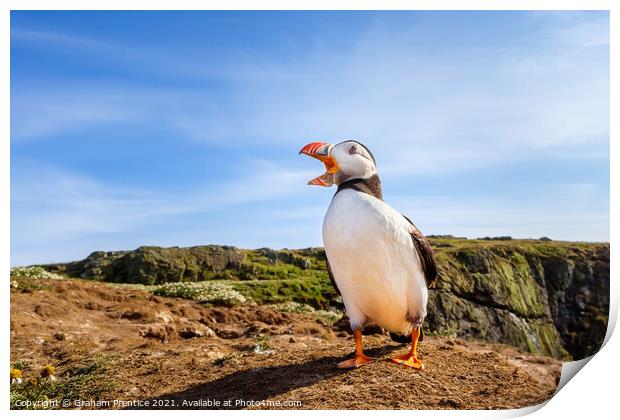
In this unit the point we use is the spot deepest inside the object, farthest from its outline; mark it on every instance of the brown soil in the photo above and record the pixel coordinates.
(176, 353)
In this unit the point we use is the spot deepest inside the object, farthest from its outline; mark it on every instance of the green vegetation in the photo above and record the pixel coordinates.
(262, 345)
(314, 291)
(26, 284)
(205, 292)
(34, 272)
(87, 380)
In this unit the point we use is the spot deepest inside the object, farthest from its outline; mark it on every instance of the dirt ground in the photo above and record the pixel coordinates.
(172, 353)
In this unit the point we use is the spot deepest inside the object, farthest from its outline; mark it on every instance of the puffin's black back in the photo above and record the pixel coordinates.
(406, 338)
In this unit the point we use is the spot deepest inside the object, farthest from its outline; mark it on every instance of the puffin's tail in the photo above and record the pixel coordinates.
(405, 338)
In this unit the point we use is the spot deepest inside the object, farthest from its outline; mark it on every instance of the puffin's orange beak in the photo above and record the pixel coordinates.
(321, 151)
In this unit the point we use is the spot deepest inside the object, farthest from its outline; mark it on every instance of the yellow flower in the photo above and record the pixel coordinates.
(33, 381)
(16, 376)
(48, 373)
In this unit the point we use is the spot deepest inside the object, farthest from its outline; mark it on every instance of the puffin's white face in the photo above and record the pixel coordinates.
(343, 161)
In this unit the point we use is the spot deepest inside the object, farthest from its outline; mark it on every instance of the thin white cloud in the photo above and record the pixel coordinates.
(52, 38)
(49, 203)
(560, 211)
(577, 28)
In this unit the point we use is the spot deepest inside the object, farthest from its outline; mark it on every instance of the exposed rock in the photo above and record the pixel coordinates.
(161, 332)
(59, 336)
(229, 331)
(133, 315)
(155, 265)
(195, 331)
(578, 293)
(285, 256)
(551, 300)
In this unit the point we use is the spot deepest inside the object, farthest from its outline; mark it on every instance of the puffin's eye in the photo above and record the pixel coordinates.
(352, 150)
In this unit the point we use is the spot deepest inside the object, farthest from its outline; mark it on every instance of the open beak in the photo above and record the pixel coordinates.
(321, 151)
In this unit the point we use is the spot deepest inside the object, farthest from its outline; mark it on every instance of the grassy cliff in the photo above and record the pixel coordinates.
(545, 297)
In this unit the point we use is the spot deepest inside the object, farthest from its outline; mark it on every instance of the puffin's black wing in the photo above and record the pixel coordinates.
(331, 276)
(427, 258)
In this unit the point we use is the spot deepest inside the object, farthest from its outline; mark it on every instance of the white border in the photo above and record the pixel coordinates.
(592, 394)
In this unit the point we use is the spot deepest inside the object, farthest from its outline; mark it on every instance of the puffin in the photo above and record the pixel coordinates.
(377, 259)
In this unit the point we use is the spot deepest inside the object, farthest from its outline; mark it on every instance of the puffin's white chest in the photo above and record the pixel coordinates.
(374, 261)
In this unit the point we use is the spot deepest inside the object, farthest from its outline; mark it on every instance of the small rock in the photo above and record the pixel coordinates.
(229, 332)
(59, 336)
(91, 306)
(132, 315)
(158, 331)
(450, 402)
(215, 355)
(257, 328)
(197, 331)
(43, 311)
(292, 340)
(190, 333)
(208, 332)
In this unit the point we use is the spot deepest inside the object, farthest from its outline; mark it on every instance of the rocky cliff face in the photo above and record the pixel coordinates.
(155, 265)
(544, 297)
(549, 298)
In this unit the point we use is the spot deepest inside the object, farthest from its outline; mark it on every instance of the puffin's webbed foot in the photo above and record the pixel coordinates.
(357, 361)
(360, 358)
(408, 360)
(411, 359)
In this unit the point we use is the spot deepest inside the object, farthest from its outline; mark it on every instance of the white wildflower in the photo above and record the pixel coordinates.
(16, 376)
(202, 292)
(34, 272)
(261, 348)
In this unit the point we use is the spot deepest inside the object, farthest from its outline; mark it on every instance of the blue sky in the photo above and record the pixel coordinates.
(182, 128)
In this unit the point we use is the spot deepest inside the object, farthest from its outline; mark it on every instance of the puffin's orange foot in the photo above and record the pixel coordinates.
(357, 361)
(408, 360)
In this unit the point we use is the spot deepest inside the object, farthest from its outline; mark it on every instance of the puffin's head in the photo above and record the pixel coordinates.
(343, 161)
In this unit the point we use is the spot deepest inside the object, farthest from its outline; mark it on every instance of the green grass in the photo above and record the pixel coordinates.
(315, 291)
(262, 345)
(26, 284)
(87, 380)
